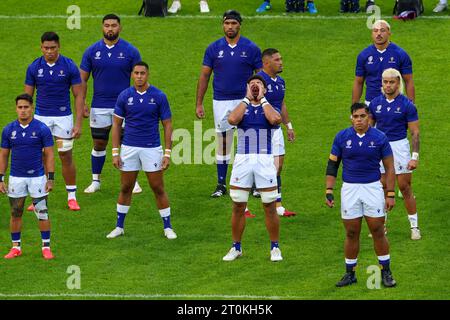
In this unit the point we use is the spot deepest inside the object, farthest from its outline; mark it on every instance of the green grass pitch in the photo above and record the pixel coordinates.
(319, 59)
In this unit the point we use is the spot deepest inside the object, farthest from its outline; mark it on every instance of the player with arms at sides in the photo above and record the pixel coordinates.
(373, 60)
(276, 87)
(53, 76)
(30, 144)
(142, 106)
(233, 59)
(255, 119)
(361, 148)
(394, 114)
(110, 61)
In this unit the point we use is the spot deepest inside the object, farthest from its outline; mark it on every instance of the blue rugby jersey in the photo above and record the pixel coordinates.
(232, 66)
(111, 70)
(371, 63)
(53, 84)
(392, 117)
(26, 144)
(142, 112)
(361, 155)
(254, 132)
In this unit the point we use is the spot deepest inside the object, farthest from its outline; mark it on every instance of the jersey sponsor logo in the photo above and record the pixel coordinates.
(232, 53)
(243, 54)
(13, 134)
(109, 54)
(372, 144)
(378, 108)
(349, 144)
(130, 101)
(61, 73)
(51, 72)
(360, 143)
(152, 101)
(220, 54)
(40, 73)
(141, 100)
(30, 171)
(388, 109)
(370, 60)
(392, 60)
(121, 56)
(63, 108)
(23, 134)
(33, 135)
(398, 110)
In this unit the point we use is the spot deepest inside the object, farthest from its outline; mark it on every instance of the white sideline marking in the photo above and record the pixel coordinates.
(259, 17)
(143, 296)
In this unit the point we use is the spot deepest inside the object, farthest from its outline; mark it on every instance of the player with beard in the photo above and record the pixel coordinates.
(233, 59)
(110, 61)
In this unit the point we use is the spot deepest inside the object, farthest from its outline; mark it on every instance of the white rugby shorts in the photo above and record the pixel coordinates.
(59, 126)
(362, 199)
(19, 187)
(221, 110)
(136, 158)
(254, 168)
(402, 155)
(278, 142)
(101, 117)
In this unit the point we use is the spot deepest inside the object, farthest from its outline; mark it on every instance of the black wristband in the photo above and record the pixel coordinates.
(2, 177)
(329, 197)
(51, 176)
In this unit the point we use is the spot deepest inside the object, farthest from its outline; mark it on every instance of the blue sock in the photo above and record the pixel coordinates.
(15, 237)
(97, 161)
(237, 246)
(121, 214)
(222, 169)
(166, 221)
(120, 219)
(273, 244)
(45, 235)
(385, 262)
(350, 264)
(165, 216)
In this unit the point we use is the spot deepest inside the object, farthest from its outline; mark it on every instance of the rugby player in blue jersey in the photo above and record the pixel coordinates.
(233, 59)
(142, 106)
(361, 148)
(395, 114)
(372, 61)
(30, 144)
(53, 76)
(255, 119)
(110, 61)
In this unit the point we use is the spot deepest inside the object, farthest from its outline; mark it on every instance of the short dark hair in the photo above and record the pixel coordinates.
(269, 52)
(141, 63)
(111, 16)
(50, 36)
(232, 14)
(257, 77)
(24, 96)
(357, 106)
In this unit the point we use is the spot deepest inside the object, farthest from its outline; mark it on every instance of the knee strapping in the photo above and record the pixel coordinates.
(239, 195)
(269, 196)
(40, 209)
(64, 144)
